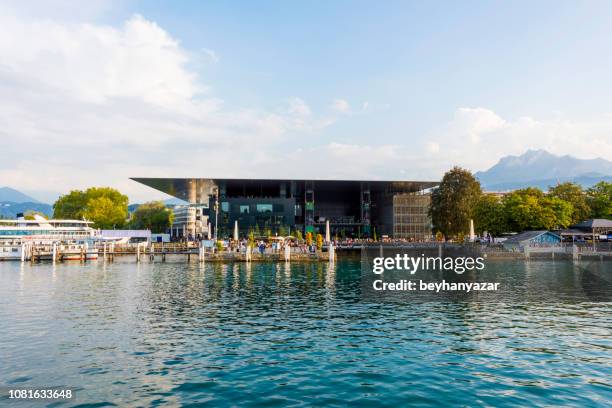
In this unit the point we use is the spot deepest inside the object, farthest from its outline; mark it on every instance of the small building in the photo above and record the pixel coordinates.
(597, 228)
(573, 235)
(531, 238)
(126, 235)
(160, 238)
(190, 222)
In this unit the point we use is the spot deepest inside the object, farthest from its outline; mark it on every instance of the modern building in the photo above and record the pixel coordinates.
(190, 221)
(353, 208)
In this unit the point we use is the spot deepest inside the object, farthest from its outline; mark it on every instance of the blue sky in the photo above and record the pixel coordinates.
(320, 88)
(422, 58)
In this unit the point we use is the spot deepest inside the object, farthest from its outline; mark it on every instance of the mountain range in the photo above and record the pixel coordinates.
(539, 168)
(12, 195)
(13, 202)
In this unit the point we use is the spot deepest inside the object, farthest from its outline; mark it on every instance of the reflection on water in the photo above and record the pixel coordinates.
(278, 334)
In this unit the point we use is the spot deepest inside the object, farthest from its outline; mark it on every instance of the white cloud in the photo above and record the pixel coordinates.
(85, 104)
(478, 137)
(211, 54)
(341, 106)
(433, 147)
(298, 107)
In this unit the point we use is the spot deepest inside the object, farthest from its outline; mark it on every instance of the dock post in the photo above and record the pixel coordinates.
(287, 253)
(54, 252)
(332, 253)
(23, 252)
(247, 255)
(201, 252)
(104, 252)
(138, 252)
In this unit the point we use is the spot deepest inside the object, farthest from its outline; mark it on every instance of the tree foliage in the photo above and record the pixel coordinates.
(453, 202)
(530, 209)
(599, 198)
(489, 215)
(459, 198)
(282, 230)
(154, 216)
(573, 194)
(105, 206)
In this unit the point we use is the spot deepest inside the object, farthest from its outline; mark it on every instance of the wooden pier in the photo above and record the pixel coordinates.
(152, 252)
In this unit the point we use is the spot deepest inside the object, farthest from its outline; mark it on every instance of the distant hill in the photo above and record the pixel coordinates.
(539, 168)
(10, 209)
(12, 195)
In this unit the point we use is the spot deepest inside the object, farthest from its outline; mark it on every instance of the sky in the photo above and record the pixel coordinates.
(93, 93)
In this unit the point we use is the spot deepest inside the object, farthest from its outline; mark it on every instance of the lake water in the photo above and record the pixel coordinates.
(130, 334)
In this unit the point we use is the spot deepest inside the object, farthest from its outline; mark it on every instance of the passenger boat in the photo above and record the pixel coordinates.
(21, 239)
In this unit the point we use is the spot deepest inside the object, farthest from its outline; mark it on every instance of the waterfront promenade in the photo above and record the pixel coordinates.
(195, 251)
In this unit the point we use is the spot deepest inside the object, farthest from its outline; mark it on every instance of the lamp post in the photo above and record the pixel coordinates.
(216, 211)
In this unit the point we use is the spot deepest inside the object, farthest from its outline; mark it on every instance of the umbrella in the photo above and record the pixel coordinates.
(472, 235)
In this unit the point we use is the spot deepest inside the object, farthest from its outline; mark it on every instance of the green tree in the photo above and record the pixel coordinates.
(530, 209)
(299, 236)
(71, 205)
(561, 210)
(599, 198)
(282, 230)
(489, 216)
(452, 203)
(154, 216)
(105, 206)
(573, 194)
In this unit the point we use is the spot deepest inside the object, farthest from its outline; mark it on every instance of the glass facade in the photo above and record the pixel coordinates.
(410, 217)
(353, 208)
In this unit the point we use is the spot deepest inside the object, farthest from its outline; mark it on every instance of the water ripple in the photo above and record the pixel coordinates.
(127, 334)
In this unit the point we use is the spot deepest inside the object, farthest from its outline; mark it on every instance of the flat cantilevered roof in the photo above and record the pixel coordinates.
(197, 190)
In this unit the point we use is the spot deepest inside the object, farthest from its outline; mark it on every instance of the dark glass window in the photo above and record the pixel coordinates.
(264, 208)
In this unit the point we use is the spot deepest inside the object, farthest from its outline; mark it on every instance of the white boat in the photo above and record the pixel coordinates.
(20, 239)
